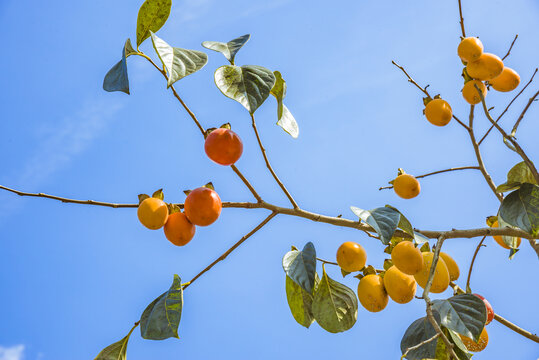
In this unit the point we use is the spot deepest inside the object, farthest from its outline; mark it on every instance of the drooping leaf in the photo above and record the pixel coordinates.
(404, 223)
(288, 123)
(129, 48)
(466, 314)
(116, 78)
(178, 63)
(334, 305)
(518, 175)
(300, 303)
(116, 351)
(383, 220)
(521, 208)
(419, 331)
(152, 15)
(229, 49)
(250, 85)
(160, 320)
(300, 266)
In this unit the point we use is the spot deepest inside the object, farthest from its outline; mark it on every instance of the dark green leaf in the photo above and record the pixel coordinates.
(151, 17)
(129, 48)
(521, 208)
(162, 317)
(419, 331)
(383, 220)
(116, 351)
(466, 314)
(300, 266)
(518, 175)
(334, 305)
(178, 63)
(250, 85)
(459, 347)
(404, 224)
(117, 79)
(300, 303)
(229, 49)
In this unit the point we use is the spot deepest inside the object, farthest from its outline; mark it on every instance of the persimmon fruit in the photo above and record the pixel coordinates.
(223, 146)
(407, 258)
(152, 213)
(470, 94)
(406, 186)
(486, 67)
(490, 310)
(508, 80)
(203, 206)
(470, 49)
(178, 229)
(440, 281)
(499, 239)
(476, 346)
(371, 293)
(399, 286)
(438, 112)
(351, 256)
(452, 266)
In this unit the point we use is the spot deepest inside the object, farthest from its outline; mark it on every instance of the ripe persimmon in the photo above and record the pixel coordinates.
(202, 206)
(351, 256)
(223, 146)
(407, 258)
(440, 281)
(470, 49)
(486, 67)
(470, 94)
(178, 229)
(508, 80)
(474, 346)
(499, 239)
(452, 266)
(490, 310)
(399, 286)
(152, 213)
(406, 186)
(371, 293)
(438, 112)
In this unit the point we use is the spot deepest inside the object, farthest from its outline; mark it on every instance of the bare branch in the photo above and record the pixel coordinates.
(235, 246)
(327, 262)
(461, 21)
(437, 172)
(246, 182)
(482, 168)
(530, 101)
(510, 47)
(511, 139)
(507, 107)
(448, 344)
(424, 90)
(433, 264)
(473, 261)
(268, 165)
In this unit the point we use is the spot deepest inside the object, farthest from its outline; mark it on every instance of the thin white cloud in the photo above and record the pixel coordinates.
(12, 353)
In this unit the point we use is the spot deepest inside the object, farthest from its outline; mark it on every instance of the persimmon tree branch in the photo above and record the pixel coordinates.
(234, 247)
(438, 172)
(473, 261)
(510, 47)
(268, 165)
(517, 123)
(461, 21)
(198, 124)
(502, 320)
(508, 106)
(478, 156)
(332, 220)
(509, 138)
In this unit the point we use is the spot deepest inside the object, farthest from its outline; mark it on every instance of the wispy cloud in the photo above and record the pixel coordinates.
(12, 353)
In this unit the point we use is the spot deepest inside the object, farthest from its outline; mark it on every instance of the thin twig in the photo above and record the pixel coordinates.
(517, 123)
(510, 47)
(419, 345)
(473, 261)
(461, 21)
(424, 90)
(482, 168)
(511, 139)
(327, 262)
(433, 264)
(437, 172)
(336, 221)
(507, 107)
(246, 182)
(502, 320)
(226, 253)
(268, 165)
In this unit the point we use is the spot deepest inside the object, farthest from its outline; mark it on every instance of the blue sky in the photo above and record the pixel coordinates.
(74, 278)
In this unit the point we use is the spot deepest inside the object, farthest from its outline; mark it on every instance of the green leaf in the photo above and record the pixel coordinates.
(229, 49)
(160, 320)
(404, 223)
(116, 351)
(279, 91)
(521, 209)
(518, 175)
(466, 314)
(300, 303)
(116, 78)
(510, 241)
(288, 123)
(383, 220)
(153, 14)
(129, 48)
(300, 266)
(420, 239)
(419, 331)
(459, 348)
(334, 305)
(250, 85)
(158, 194)
(178, 63)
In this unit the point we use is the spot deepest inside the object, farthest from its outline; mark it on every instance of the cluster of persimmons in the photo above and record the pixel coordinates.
(202, 206)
